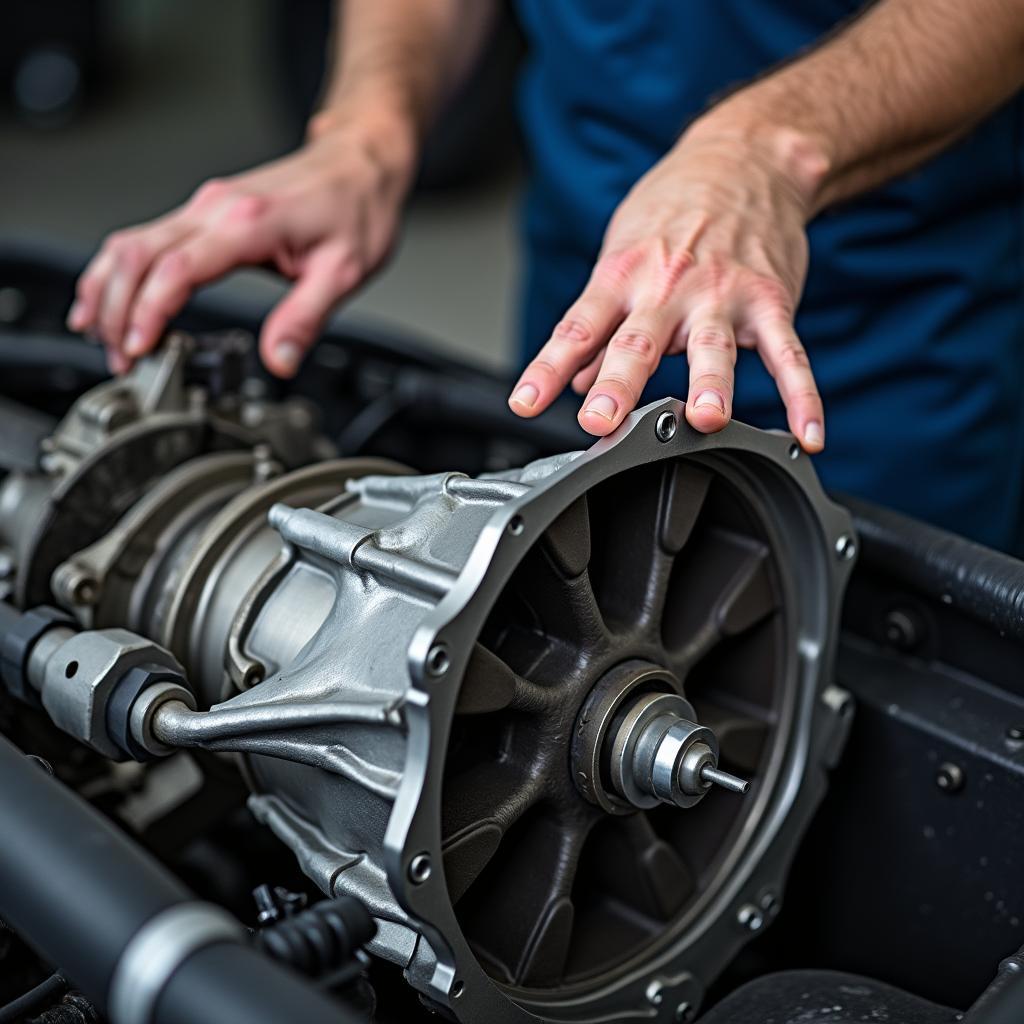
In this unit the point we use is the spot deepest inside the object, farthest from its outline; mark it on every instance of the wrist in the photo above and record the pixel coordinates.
(800, 159)
(387, 135)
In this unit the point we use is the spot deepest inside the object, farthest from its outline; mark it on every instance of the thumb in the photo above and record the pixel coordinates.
(294, 324)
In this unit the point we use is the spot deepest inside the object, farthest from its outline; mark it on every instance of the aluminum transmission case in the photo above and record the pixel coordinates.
(433, 655)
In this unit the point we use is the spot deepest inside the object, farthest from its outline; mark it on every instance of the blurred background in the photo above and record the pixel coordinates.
(113, 111)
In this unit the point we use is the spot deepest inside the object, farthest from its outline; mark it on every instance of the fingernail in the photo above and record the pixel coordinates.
(73, 317)
(604, 406)
(710, 398)
(289, 355)
(526, 395)
(134, 343)
(813, 434)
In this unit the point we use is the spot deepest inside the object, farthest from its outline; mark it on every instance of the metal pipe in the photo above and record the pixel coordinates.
(121, 927)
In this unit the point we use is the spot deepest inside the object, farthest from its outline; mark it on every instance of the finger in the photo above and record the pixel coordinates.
(84, 311)
(202, 257)
(786, 360)
(633, 354)
(117, 361)
(295, 323)
(584, 380)
(132, 255)
(582, 331)
(711, 353)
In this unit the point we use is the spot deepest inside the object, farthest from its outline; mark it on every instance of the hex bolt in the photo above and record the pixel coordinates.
(950, 777)
(665, 427)
(438, 661)
(846, 547)
(419, 869)
(750, 918)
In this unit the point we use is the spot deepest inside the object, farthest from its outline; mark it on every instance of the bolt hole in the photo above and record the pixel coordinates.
(438, 661)
(71, 669)
(457, 989)
(419, 869)
(516, 526)
(794, 451)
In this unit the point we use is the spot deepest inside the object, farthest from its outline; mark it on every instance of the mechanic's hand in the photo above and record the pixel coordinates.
(324, 216)
(707, 252)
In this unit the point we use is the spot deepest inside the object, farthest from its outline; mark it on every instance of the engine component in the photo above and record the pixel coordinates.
(506, 712)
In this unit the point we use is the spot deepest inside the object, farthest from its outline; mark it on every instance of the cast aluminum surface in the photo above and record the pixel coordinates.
(340, 648)
(364, 628)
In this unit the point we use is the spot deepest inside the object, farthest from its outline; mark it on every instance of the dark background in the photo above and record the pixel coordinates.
(113, 111)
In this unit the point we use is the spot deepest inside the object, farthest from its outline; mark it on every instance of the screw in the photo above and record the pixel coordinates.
(654, 993)
(684, 1012)
(419, 869)
(750, 917)
(846, 547)
(950, 777)
(665, 428)
(438, 661)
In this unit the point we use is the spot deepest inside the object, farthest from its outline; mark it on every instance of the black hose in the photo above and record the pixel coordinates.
(987, 585)
(79, 891)
(34, 1000)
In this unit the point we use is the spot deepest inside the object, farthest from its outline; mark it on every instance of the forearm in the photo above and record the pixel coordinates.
(888, 91)
(395, 61)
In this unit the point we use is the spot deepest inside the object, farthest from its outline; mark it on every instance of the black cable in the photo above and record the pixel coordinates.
(34, 1000)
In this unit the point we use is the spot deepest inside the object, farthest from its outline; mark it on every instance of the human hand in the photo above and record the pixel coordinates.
(706, 253)
(324, 216)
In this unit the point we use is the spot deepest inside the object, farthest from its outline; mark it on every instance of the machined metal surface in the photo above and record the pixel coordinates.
(559, 727)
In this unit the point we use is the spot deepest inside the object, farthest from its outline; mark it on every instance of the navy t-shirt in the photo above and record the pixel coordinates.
(913, 311)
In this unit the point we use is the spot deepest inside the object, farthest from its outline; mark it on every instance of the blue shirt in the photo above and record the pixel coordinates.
(913, 311)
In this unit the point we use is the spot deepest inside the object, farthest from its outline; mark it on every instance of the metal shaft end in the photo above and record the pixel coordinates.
(716, 776)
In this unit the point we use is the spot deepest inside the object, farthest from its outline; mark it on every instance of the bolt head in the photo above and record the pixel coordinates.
(846, 548)
(654, 993)
(750, 918)
(666, 426)
(950, 777)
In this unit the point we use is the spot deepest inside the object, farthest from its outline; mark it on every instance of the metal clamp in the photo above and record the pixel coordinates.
(158, 949)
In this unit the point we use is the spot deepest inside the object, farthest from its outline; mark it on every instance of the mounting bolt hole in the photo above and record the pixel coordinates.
(457, 989)
(71, 669)
(665, 428)
(846, 547)
(794, 451)
(684, 1013)
(516, 526)
(419, 869)
(438, 661)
